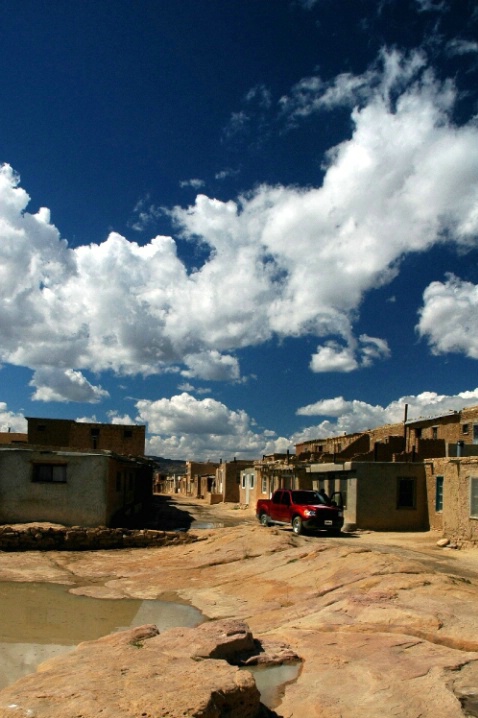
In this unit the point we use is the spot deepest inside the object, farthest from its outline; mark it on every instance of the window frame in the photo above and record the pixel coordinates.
(473, 494)
(439, 482)
(40, 469)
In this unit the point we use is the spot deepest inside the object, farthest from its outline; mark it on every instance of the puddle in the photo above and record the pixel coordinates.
(41, 620)
(271, 681)
(207, 525)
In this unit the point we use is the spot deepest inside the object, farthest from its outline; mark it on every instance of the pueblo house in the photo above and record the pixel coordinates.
(74, 473)
(124, 439)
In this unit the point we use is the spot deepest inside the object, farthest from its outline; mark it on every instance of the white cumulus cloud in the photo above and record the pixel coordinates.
(281, 261)
(186, 427)
(353, 416)
(449, 317)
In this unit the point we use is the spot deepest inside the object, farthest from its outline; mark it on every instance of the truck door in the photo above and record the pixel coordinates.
(284, 507)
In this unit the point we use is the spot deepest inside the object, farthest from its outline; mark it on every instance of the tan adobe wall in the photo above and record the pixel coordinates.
(314, 446)
(39, 538)
(65, 433)
(381, 433)
(120, 438)
(376, 497)
(448, 429)
(11, 437)
(80, 499)
(432, 470)
(457, 523)
(49, 432)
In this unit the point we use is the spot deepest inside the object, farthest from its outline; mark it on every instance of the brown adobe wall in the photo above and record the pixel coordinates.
(388, 431)
(11, 437)
(76, 538)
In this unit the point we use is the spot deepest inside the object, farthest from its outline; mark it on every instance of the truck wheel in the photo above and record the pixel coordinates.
(297, 526)
(264, 519)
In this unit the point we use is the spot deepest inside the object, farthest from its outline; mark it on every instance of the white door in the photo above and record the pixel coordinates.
(249, 485)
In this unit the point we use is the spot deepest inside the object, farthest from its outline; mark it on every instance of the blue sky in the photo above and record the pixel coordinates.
(244, 223)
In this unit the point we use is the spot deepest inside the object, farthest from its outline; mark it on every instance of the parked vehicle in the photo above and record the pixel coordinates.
(304, 510)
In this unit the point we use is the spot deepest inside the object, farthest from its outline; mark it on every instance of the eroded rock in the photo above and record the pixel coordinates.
(141, 673)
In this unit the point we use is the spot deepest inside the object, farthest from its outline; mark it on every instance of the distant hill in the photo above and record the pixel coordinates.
(169, 466)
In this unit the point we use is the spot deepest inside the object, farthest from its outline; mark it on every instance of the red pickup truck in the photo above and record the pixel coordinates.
(304, 510)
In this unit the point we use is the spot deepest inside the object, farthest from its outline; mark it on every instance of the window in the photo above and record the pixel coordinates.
(465, 429)
(277, 497)
(418, 433)
(474, 497)
(264, 485)
(243, 481)
(405, 493)
(434, 432)
(41, 427)
(95, 433)
(439, 493)
(128, 433)
(49, 473)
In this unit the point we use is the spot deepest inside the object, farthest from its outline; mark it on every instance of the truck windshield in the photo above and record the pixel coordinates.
(309, 497)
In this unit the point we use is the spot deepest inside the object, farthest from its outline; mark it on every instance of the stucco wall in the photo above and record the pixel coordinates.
(376, 499)
(79, 501)
(457, 524)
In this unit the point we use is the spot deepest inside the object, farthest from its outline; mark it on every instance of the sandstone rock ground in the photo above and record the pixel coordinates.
(386, 624)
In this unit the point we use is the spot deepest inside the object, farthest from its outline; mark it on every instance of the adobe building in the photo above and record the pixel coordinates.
(452, 485)
(124, 439)
(379, 444)
(377, 496)
(72, 488)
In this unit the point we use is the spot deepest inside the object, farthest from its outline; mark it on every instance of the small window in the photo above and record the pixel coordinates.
(264, 485)
(474, 498)
(128, 433)
(41, 427)
(465, 429)
(49, 473)
(439, 494)
(434, 432)
(243, 481)
(406, 493)
(418, 433)
(251, 481)
(95, 432)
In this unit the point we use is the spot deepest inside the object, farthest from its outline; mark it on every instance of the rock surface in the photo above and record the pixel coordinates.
(386, 625)
(141, 673)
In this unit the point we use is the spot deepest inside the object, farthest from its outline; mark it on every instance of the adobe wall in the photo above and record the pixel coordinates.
(77, 538)
(11, 437)
(122, 439)
(66, 433)
(381, 433)
(457, 524)
(376, 498)
(80, 500)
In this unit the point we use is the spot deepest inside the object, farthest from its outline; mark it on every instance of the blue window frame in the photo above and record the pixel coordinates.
(439, 494)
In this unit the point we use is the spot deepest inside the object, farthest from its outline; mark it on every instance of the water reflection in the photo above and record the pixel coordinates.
(41, 620)
(272, 681)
